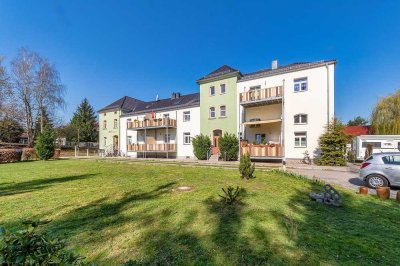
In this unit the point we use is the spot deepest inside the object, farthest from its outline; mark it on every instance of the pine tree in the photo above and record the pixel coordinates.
(333, 145)
(45, 144)
(84, 120)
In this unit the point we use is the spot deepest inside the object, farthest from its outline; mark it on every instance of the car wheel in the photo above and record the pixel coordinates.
(375, 181)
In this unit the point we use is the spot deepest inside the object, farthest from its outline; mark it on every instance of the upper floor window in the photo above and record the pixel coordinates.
(105, 124)
(115, 123)
(186, 138)
(167, 138)
(129, 140)
(223, 111)
(222, 88)
(212, 91)
(186, 116)
(212, 112)
(253, 88)
(115, 112)
(166, 116)
(105, 141)
(300, 139)
(301, 119)
(105, 114)
(300, 85)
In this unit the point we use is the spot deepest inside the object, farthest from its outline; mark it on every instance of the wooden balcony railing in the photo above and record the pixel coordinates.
(260, 150)
(152, 147)
(162, 122)
(261, 94)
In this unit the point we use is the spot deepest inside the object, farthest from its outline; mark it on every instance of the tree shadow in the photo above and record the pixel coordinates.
(12, 188)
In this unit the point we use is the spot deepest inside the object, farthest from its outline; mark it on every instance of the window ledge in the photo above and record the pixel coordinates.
(211, 118)
(299, 124)
(222, 117)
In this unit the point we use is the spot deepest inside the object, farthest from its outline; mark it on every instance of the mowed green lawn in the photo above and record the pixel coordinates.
(112, 213)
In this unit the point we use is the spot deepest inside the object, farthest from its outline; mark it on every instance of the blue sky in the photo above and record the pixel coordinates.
(107, 49)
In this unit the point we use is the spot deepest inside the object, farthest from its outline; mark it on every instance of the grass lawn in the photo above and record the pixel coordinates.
(112, 213)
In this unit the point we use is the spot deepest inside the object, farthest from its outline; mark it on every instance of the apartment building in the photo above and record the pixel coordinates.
(284, 110)
(162, 128)
(109, 123)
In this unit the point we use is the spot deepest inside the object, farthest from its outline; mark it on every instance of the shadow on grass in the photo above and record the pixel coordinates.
(12, 188)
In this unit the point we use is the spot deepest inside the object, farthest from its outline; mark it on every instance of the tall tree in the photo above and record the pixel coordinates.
(10, 130)
(84, 119)
(42, 120)
(23, 70)
(385, 119)
(4, 87)
(48, 92)
(357, 121)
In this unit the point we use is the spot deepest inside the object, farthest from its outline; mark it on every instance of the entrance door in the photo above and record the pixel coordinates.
(115, 143)
(217, 133)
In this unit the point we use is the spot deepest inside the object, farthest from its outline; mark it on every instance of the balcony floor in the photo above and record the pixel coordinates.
(261, 102)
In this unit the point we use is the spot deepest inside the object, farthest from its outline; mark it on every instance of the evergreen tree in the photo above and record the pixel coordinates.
(201, 145)
(47, 122)
(386, 115)
(84, 120)
(333, 145)
(10, 130)
(357, 121)
(229, 147)
(45, 144)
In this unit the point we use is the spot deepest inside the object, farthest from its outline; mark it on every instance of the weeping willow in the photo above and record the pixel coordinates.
(385, 118)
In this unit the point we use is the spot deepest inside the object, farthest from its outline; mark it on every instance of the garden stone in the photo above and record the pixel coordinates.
(330, 196)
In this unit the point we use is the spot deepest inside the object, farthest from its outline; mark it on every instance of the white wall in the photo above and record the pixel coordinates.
(313, 102)
(389, 143)
(192, 126)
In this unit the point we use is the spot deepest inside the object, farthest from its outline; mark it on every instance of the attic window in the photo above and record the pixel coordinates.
(115, 112)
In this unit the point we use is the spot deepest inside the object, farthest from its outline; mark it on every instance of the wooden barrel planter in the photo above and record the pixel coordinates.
(383, 193)
(364, 190)
(398, 196)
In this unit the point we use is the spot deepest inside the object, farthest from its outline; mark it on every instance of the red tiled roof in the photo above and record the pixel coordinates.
(357, 130)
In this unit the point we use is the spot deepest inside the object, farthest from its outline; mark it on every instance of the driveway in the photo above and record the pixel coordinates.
(345, 179)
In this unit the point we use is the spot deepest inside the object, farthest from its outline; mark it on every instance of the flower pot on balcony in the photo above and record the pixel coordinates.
(383, 193)
(364, 190)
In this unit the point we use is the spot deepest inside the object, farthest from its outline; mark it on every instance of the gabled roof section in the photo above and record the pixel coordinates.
(284, 69)
(126, 103)
(182, 101)
(221, 71)
(357, 130)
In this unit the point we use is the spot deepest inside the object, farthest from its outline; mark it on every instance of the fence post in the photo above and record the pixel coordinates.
(87, 152)
(75, 151)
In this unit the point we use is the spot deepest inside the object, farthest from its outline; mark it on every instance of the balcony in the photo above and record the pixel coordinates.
(152, 123)
(261, 150)
(166, 147)
(261, 96)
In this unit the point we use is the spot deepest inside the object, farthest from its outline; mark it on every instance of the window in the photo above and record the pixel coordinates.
(300, 139)
(129, 140)
(186, 116)
(105, 114)
(392, 159)
(115, 123)
(300, 119)
(115, 112)
(212, 91)
(222, 111)
(260, 138)
(374, 144)
(105, 124)
(105, 141)
(222, 88)
(166, 116)
(186, 138)
(167, 138)
(300, 85)
(212, 112)
(253, 88)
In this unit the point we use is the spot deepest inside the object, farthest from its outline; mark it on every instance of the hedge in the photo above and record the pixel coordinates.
(28, 154)
(10, 155)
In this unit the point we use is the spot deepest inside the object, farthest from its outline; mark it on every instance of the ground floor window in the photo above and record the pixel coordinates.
(186, 138)
(300, 139)
(105, 141)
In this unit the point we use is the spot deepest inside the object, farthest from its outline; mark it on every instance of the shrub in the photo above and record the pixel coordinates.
(201, 145)
(229, 147)
(10, 156)
(246, 168)
(57, 153)
(29, 247)
(230, 194)
(28, 154)
(45, 144)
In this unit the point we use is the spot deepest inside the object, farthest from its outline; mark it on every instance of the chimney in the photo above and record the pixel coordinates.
(177, 95)
(275, 64)
(173, 96)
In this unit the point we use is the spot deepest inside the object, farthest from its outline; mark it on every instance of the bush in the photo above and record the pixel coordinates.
(201, 145)
(45, 144)
(246, 168)
(57, 153)
(28, 154)
(10, 156)
(28, 247)
(229, 147)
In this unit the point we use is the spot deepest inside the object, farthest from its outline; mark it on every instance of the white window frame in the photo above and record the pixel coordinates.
(222, 86)
(167, 138)
(186, 116)
(212, 88)
(220, 111)
(301, 119)
(186, 138)
(115, 123)
(300, 84)
(301, 139)
(129, 140)
(105, 141)
(166, 116)
(210, 112)
(104, 124)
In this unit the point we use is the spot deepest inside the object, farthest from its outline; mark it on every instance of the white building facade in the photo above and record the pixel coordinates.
(284, 111)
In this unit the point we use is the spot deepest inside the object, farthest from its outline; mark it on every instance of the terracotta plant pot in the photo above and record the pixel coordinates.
(364, 190)
(398, 196)
(383, 193)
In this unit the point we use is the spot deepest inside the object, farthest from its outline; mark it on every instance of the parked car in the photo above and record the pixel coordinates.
(381, 169)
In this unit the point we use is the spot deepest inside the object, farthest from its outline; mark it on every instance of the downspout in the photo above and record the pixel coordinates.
(283, 127)
(328, 91)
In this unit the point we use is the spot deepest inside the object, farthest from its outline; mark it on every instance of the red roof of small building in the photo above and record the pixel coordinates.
(357, 130)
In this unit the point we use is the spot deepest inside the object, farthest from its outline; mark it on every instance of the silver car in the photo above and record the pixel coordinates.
(381, 170)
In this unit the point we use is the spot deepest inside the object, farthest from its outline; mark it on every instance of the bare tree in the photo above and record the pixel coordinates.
(23, 69)
(4, 87)
(48, 91)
